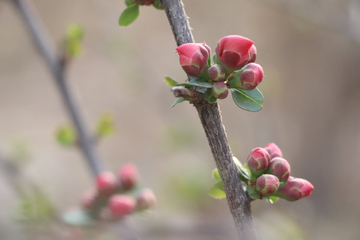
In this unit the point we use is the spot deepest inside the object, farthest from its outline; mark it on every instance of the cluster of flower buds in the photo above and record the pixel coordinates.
(232, 65)
(117, 196)
(270, 175)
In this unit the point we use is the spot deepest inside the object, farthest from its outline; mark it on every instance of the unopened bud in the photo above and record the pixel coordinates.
(280, 168)
(88, 199)
(247, 78)
(217, 73)
(294, 189)
(106, 183)
(193, 58)
(253, 53)
(267, 184)
(258, 160)
(220, 90)
(129, 176)
(273, 150)
(146, 199)
(121, 205)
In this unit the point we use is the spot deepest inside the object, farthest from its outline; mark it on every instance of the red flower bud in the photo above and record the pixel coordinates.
(217, 73)
(220, 90)
(294, 189)
(247, 78)
(121, 205)
(280, 168)
(258, 160)
(146, 199)
(253, 53)
(128, 176)
(273, 150)
(233, 52)
(106, 183)
(267, 184)
(88, 199)
(194, 58)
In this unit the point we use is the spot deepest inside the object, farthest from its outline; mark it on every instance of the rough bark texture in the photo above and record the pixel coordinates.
(238, 200)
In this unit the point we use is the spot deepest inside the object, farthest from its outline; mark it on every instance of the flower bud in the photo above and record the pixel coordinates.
(252, 53)
(273, 150)
(88, 200)
(280, 168)
(194, 58)
(220, 90)
(247, 78)
(258, 160)
(128, 176)
(217, 73)
(146, 199)
(267, 184)
(233, 52)
(121, 205)
(106, 183)
(294, 189)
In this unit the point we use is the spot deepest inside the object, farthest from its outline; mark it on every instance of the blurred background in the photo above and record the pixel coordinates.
(310, 53)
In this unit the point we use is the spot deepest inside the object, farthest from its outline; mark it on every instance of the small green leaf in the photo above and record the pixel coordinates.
(244, 173)
(215, 174)
(129, 2)
(252, 193)
(72, 42)
(66, 135)
(178, 100)
(106, 125)
(209, 97)
(250, 100)
(171, 82)
(270, 199)
(78, 217)
(217, 191)
(157, 4)
(129, 15)
(197, 83)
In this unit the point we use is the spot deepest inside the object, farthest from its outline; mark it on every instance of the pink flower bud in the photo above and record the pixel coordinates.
(88, 199)
(247, 78)
(146, 199)
(233, 52)
(273, 150)
(194, 58)
(280, 168)
(217, 73)
(252, 52)
(220, 90)
(267, 184)
(121, 205)
(258, 160)
(128, 176)
(106, 183)
(294, 189)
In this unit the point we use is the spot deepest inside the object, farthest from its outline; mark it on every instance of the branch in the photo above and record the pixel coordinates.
(43, 43)
(238, 199)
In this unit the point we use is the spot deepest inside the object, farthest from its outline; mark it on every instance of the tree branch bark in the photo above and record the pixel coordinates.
(238, 199)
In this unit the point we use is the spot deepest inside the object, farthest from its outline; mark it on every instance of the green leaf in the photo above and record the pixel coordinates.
(106, 125)
(171, 82)
(215, 174)
(250, 100)
(78, 217)
(129, 15)
(209, 97)
(252, 193)
(72, 43)
(217, 191)
(178, 100)
(197, 83)
(244, 173)
(270, 199)
(129, 2)
(157, 4)
(66, 135)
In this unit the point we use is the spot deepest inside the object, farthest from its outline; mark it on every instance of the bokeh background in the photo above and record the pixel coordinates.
(310, 53)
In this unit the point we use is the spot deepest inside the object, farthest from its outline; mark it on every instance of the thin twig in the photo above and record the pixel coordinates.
(238, 199)
(41, 40)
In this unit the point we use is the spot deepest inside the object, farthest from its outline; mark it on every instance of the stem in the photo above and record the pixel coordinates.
(43, 43)
(238, 199)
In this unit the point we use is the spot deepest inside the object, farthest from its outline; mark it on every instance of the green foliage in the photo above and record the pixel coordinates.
(196, 83)
(209, 97)
(106, 126)
(171, 82)
(129, 2)
(252, 193)
(250, 100)
(74, 36)
(129, 15)
(157, 4)
(66, 135)
(217, 191)
(178, 100)
(78, 217)
(216, 174)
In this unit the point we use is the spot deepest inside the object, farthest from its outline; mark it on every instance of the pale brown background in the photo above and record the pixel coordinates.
(310, 54)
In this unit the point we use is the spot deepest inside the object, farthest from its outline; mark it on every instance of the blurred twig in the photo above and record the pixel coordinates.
(55, 65)
(238, 200)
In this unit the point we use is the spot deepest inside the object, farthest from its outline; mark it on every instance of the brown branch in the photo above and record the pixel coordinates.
(238, 199)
